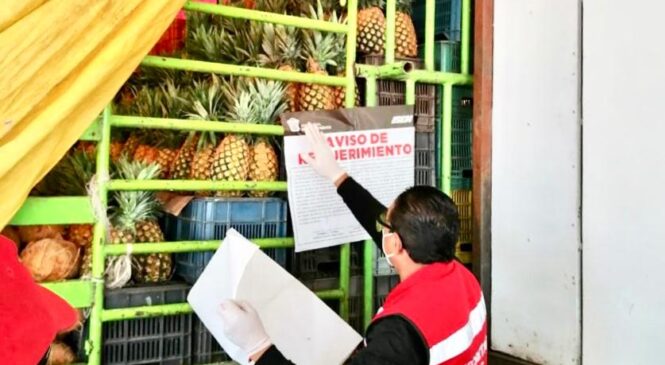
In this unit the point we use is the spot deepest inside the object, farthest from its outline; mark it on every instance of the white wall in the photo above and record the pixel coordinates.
(536, 181)
(624, 182)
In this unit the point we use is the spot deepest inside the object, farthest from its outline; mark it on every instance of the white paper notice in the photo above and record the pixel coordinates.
(302, 327)
(381, 160)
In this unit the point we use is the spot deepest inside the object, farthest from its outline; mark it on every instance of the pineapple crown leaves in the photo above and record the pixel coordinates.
(273, 6)
(322, 49)
(134, 206)
(70, 176)
(241, 43)
(207, 100)
(269, 99)
(404, 6)
(281, 46)
(207, 43)
(174, 100)
(207, 97)
(364, 4)
(244, 109)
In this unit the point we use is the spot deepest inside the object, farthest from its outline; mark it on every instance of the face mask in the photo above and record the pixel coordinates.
(383, 248)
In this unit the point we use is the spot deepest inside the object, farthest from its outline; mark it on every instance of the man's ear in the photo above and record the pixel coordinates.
(397, 243)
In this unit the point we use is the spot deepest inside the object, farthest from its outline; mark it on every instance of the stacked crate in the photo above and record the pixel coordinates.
(209, 219)
(162, 340)
(392, 92)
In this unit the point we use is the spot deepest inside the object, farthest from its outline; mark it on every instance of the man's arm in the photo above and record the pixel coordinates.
(362, 204)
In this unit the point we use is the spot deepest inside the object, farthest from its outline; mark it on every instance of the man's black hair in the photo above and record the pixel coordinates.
(427, 222)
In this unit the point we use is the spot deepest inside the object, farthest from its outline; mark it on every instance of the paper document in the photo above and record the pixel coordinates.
(302, 326)
(376, 146)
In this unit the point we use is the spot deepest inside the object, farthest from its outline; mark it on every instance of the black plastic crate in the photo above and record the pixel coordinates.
(391, 92)
(324, 262)
(425, 164)
(163, 340)
(355, 298)
(211, 218)
(206, 348)
(382, 287)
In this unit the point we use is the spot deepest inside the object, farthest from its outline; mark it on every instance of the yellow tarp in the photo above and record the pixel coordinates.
(61, 62)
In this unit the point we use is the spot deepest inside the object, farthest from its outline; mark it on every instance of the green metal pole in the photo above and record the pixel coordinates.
(466, 36)
(266, 17)
(440, 77)
(429, 34)
(196, 185)
(237, 70)
(368, 252)
(195, 125)
(391, 15)
(99, 238)
(189, 246)
(391, 70)
(345, 250)
(351, 19)
(120, 314)
(410, 98)
(446, 138)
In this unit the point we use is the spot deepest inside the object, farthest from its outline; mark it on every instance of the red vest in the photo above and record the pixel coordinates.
(445, 303)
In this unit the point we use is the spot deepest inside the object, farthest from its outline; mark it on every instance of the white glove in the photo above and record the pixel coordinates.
(323, 162)
(243, 326)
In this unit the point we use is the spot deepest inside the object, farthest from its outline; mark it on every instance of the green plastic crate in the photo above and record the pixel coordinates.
(462, 136)
(447, 20)
(447, 56)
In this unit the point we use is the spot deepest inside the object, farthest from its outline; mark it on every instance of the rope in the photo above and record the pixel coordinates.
(119, 270)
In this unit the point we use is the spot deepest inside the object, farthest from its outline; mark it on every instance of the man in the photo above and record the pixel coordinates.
(436, 315)
(30, 315)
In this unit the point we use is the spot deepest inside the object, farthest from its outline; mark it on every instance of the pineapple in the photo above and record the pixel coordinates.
(80, 234)
(269, 99)
(88, 147)
(115, 150)
(168, 142)
(340, 61)
(181, 166)
(281, 47)
(232, 157)
(207, 101)
(406, 43)
(371, 27)
(320, 51)
(134, 219)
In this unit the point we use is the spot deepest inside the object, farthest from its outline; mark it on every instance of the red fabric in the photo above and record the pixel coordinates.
(30, 315)
(439, 299)
(173, 38)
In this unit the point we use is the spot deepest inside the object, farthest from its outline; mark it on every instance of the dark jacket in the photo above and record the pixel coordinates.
(391, 341)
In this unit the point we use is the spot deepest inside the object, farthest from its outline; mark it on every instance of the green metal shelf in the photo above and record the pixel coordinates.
(54, 210)
(70, 210)
(194, 185)
(77, 292)
(238, 70)
(109, 315)
(195, 125)
(188, 246)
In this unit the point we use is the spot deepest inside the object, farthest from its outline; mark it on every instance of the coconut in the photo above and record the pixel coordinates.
(11, 233)
(51, 259)
(60, 354)
(35, 233)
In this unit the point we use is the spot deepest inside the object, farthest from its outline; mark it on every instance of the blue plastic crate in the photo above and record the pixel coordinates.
(447, 20)
(210, 219)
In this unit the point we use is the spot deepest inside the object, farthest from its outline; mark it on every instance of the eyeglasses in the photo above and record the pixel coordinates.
(382, 223)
